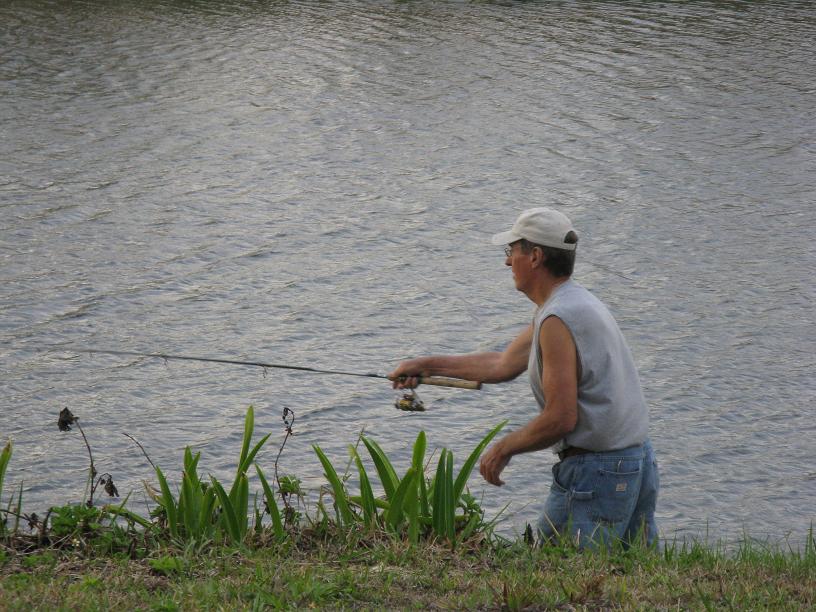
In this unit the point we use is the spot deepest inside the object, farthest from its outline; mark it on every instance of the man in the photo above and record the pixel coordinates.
(593, 414)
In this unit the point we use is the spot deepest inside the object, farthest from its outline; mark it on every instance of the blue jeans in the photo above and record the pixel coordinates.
(598, 498)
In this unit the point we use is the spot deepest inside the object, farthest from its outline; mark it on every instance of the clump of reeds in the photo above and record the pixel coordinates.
(203, 509)
(414, 504)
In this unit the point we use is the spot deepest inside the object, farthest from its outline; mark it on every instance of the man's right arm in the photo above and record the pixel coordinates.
(491, 367)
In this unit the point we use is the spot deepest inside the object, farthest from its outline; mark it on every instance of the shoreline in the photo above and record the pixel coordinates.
(334, 570)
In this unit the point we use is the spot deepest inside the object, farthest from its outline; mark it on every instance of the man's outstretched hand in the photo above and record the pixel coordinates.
(493, 463)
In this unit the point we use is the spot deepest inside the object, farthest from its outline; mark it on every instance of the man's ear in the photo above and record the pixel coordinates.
(538, 257)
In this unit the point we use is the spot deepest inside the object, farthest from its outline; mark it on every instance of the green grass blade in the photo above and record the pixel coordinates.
(206, 520)
(107, 508)
(424, 497)
(450, 502)
(191, 468)
(469, 528)
(274, 512)
(251, 455)
(395, 513)
(346, 516)
(382, 504)
(495, 520)
(168, 503)
(247, 456)
(419, 452)
(230, 520)
(412, 507)
(467, 468)
(19, 510)
(195, 520)
(241, 508)
(423, 503)
(438, 496)
(388, 476)
(120, 510)
(188, 506)
(5, 457)
(191, 465)
(444, 506)
(249, 427)
(414, 524)
(367, 495)
(194, 465)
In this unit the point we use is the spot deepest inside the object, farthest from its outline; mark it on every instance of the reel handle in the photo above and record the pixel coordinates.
(444, 381)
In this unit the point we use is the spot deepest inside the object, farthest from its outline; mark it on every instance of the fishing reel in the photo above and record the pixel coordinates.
(409, 402)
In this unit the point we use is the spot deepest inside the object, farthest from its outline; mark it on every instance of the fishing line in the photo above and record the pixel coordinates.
(605, 268)
(439, 381)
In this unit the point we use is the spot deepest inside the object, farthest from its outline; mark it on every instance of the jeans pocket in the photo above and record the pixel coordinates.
(616, 493)
(557, 488)
(579, 506)
(559, 485)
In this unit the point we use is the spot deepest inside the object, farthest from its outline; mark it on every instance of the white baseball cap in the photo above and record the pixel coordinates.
(543, 226)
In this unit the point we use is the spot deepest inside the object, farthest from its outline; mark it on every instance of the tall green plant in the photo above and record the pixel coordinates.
(470, 462)
(344, 513)
(271, 505)
(367, 500)
(5, 457)
(203, 509)
(386, 471)
(167, 503)
(444, 504)
(197, 501)
(411, 500)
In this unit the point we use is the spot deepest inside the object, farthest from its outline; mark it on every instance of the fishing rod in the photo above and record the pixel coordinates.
(606, 269)
(439, 381)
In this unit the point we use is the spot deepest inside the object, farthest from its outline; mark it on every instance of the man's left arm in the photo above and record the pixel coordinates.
(559, 380)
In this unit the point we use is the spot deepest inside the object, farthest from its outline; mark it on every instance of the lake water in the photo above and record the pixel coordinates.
(315, 183)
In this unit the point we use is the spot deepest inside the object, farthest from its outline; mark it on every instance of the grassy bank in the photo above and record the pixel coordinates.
(400, 538)
(348, 571)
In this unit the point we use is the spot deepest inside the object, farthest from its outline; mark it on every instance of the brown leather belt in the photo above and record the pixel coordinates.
(572, 451)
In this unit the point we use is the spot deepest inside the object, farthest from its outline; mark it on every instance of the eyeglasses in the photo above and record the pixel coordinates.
(523, 245)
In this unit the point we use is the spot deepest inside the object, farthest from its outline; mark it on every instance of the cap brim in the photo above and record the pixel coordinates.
(504, 238)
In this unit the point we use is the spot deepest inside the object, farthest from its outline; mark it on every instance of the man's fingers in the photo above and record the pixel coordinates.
(494, 479)
(491, 473)
(404, 382)
(492, 465)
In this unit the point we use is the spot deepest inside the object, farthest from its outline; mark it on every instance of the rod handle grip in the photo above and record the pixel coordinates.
(443, 381)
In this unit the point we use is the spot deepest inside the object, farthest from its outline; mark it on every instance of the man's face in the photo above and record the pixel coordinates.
(519, 262)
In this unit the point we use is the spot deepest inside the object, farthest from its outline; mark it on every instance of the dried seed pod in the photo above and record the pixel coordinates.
(110, 488)
(288, 419)
(66, 419)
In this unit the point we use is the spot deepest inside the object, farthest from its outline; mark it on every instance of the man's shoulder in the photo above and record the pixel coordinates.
(577, 305)
(574, 295)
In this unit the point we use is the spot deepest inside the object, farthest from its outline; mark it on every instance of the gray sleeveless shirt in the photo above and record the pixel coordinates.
(612, 412)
